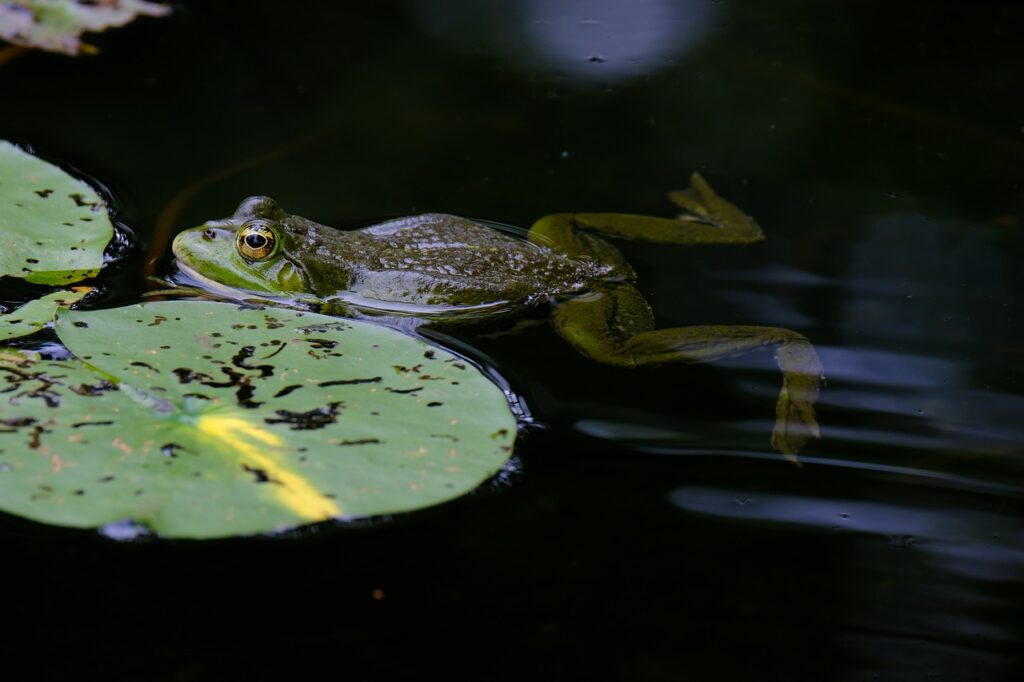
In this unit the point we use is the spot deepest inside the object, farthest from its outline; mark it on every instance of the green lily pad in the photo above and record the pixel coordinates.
(56, 25)
(228, 421)
(54, 227)
(34, 315)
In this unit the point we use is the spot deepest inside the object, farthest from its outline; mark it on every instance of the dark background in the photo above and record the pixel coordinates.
(646, 531)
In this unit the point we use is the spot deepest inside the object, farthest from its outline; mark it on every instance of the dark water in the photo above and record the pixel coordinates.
(650, 534)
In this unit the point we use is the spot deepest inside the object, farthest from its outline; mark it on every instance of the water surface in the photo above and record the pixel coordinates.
(649, 532)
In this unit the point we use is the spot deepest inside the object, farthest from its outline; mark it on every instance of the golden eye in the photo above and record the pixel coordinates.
(256, 240)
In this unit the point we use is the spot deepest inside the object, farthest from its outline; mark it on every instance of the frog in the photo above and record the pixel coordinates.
(444, 270)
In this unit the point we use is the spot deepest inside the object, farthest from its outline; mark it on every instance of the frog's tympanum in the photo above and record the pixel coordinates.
(445, 270)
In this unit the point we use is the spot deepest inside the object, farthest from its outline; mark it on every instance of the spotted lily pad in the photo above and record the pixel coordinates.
(53, 227)
(200, 419)
(56, 25)
(34, 315)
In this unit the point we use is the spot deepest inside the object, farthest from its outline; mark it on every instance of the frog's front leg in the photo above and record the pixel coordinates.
(614, 326)
(706, 219)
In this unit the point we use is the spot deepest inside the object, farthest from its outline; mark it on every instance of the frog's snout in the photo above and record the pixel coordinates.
(176, 245)
(198, 241)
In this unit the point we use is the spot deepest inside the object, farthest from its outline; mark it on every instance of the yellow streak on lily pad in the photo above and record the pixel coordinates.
(247, 439)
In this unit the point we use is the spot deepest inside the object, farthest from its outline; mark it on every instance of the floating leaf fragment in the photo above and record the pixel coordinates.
(53, 227)
(201, 419)
(56, 25)
(34, 315)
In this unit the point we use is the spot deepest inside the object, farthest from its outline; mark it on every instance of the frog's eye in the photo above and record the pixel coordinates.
(256, 240)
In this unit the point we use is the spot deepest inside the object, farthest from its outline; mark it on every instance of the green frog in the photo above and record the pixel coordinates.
(446, 270)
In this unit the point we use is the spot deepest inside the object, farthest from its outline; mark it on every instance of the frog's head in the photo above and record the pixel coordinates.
(250, 250)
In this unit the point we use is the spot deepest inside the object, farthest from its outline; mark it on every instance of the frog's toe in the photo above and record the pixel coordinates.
(702, 205)
(694, 208)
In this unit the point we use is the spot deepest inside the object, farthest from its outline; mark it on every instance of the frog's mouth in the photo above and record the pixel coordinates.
(192, 277)
(375, 306)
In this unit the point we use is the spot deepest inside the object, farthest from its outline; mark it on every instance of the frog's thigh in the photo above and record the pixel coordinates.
(599, 324)
(614, 326)
(559, 233)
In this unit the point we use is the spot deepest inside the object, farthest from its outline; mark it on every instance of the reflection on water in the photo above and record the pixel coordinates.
(603, 40)
(907, 524)
(877, 405)
(927, 402)
(911, 279)
(912, 318)
(922, 577)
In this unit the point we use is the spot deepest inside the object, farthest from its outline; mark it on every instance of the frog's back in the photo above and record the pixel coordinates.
(444, 261)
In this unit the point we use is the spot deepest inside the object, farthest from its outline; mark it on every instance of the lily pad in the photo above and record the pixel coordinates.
(56, 25)
(54, 227)
(200, 419)
(34, 315)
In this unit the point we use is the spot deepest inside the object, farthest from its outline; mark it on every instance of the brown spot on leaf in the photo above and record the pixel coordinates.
(347, 382)
(260, 475)
(187, 376)
(317, 418)
(79, 199)
(140, 363)
(92, 390)
(171, 449)
(246, 352)
(402, 369)
(244, 395)
(287, 389)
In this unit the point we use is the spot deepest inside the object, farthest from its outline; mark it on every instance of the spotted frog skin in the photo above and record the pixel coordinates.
(446, 270)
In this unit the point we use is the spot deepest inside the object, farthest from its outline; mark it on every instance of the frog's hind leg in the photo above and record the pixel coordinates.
(614, 326)
(706, 219)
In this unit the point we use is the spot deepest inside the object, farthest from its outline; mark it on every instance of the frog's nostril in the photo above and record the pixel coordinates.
(209, 235)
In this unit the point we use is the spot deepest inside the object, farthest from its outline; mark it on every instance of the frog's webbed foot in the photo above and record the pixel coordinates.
(707, 219)
(702, 204)
(614, 326)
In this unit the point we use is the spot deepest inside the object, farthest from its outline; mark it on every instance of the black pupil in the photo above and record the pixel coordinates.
(255, 241)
